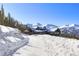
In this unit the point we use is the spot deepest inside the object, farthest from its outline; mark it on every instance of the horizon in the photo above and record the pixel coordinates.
(44, 13)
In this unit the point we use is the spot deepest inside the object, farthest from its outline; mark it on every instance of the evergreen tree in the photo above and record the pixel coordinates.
(2, 14)
(6, 21)
(10, 21)
(9, 18)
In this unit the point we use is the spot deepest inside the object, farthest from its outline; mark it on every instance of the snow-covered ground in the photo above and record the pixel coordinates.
(11, 39)
(46, 45)
(13, 42)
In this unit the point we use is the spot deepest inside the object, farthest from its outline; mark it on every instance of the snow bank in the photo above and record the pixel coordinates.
(46, 45)
(11, 39)
(7, 29)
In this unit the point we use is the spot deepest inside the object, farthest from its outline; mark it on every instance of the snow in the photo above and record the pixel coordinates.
(11, 39)
(72, 29)
(13, 42)
(47, 45)
(63, 26)
(4, 29)
(48, 27)
(71, 25)
(52, 29)
(7, 29)
(2, 41)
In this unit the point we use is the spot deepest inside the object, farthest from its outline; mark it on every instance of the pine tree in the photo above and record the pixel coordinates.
(9, 18)
(2, 11)
(2, 14)
(6, 21)
(10, 21)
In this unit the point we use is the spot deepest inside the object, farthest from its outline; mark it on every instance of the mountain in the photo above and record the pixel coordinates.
(51, 27)
(71, 25)
(11, 39)
(42, 28)
(66, 30)
(72, 29)
(34, 26)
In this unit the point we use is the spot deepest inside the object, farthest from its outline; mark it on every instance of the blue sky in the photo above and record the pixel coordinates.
(52, 13)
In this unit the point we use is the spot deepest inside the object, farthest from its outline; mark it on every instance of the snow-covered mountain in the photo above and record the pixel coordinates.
(71, 25)
(51, 27)
(43, 28)
(70, 29)
(11, 39)
(34, 26)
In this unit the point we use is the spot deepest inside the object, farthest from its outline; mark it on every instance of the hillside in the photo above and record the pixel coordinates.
(47, 45)
(11, 39)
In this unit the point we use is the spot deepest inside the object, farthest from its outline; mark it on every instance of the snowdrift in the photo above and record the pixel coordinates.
(11, 39)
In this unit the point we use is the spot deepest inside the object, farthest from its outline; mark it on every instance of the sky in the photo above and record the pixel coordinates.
(44, 13)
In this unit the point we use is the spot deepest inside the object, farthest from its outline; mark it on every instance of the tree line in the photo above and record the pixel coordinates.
(10, 21)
